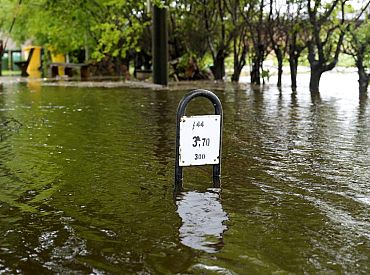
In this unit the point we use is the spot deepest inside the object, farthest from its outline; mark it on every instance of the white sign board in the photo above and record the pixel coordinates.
(199, 140)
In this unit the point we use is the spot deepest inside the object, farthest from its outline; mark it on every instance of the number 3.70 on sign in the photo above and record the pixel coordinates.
(199, 140)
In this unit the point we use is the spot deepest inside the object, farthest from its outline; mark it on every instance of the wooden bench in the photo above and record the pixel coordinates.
(69, 68)
(23, 65)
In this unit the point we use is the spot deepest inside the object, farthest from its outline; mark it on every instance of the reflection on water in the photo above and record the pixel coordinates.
(34, 82)
(203, 220)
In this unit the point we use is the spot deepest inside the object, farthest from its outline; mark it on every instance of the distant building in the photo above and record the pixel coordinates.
(12, 53)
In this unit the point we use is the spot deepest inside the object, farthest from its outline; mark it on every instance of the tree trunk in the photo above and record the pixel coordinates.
(257, 61)
(363, 77)
(293, 61)
(279, 57)
(315, 79)
(294, 54)
(293, 64)
(255, 73)
(219, 66)
(280, 71)
(1, 56)
(238, 64)
(236, 75)
(176, 43)
(256, 70)
(363, 80)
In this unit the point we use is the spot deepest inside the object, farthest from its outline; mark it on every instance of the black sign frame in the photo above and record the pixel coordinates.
(181, 110)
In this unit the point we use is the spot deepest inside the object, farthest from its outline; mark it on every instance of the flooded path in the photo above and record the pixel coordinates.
(86, 182)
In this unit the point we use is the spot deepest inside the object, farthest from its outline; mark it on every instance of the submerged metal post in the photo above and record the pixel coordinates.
(160, 46)
(196, 140)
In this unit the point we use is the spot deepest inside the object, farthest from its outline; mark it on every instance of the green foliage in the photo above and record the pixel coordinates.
(187, 30)
(121, 29)
(197, 29)
(106, 27)
(52, 24)
(363, 34)
(357, 44)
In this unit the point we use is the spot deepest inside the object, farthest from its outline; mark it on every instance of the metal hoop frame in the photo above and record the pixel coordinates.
(181, 110)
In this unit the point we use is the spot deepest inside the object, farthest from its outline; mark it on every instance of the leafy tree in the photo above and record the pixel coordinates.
(7, 20)
(59, 25)
(277, 32)
(327, 34)
(216, 26)
(297, 36)
(239, 11)
(218, 34)
(121, 30)
(117, 31)
(107, 28)
(259, 38)
(358, 46)
(200, 27)
(187, 32)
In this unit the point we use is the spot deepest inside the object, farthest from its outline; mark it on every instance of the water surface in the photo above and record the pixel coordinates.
(86, 183)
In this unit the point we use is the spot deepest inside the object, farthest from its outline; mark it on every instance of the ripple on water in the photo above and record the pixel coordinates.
(295, 194)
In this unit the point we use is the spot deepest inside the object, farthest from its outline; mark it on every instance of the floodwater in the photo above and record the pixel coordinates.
(86, 182)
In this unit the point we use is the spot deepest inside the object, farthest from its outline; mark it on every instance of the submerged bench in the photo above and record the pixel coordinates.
(68, 69)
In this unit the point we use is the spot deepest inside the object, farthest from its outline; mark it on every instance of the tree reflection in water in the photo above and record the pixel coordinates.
(203, 219)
